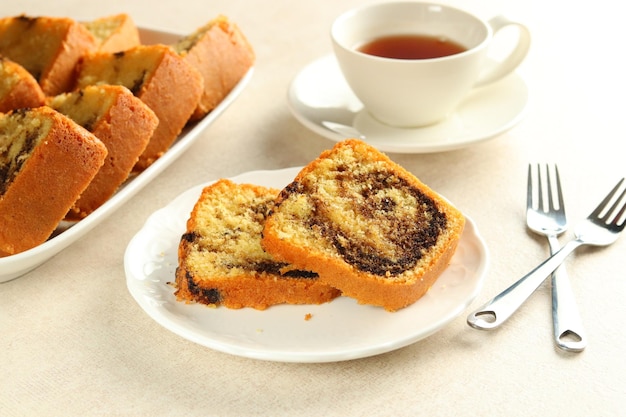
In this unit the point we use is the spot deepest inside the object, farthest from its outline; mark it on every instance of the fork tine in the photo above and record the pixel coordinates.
(539, 189)
(529, 188)
(603, 205)
(535, 199)
(549, 186)
(559, 192)
(618, 216)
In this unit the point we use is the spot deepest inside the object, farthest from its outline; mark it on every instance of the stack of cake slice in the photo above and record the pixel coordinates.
(362, 223)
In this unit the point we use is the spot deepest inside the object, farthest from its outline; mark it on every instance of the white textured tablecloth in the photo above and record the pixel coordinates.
(75, 343)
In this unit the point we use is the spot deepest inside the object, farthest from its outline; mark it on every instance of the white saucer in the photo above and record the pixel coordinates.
(319, 93)
(338, 330)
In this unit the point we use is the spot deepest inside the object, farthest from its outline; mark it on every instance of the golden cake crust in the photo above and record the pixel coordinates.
(52, 177)
(222, 54)
(18, 88)
(221, 261)
(167, 84)
(114, 33)
(122, 122)
(48, 47)
(358, 219)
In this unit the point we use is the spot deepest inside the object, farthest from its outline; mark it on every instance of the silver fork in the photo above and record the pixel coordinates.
(548, 218)
(601, 228)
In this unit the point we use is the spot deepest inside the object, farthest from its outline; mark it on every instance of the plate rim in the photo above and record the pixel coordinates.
(283, 356)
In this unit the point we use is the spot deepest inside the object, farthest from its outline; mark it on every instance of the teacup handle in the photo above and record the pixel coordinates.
(514, 58)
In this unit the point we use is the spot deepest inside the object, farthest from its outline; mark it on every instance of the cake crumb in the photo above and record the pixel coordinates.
(308, 316)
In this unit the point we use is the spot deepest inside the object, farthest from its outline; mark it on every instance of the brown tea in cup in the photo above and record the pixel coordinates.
(416, 92)
(411, 47)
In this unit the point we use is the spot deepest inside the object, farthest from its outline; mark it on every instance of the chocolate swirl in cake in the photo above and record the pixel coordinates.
(254, 261)
(222, 261)
(375, 220)
(17, 140)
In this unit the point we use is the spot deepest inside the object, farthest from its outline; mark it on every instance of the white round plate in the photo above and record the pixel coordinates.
(335, 331)
(319, 93)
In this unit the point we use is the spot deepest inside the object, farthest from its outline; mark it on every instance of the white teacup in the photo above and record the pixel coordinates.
(419, 92)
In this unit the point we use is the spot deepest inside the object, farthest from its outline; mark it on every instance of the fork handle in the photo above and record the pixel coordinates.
(569, 332)
(502, 306)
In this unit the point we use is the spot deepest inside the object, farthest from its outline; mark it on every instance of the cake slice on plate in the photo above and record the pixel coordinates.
(46, 161)
(122, 122)
(157, 76)
(18, 88)
(114, 33)
(222, 54)
(366, 225)
(221, 261)
(48, 47)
